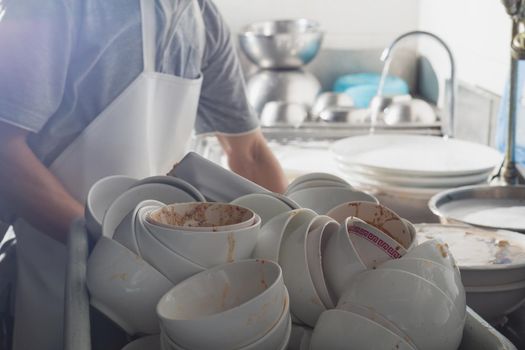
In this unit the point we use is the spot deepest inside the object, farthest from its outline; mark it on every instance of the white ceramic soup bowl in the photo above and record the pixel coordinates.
(305, 303)
(316, 184)
(320, 232)
(341, 261)
(263, 204)
(434, 250)
(448, 280)
(418, 307)
(316, 177)
(373, 246)
(226, 307)
(322, 200)
(125, 232)
(203, 217)
(124, 287)
(99, 198)
(341, 330)
(208, 249)
(127, 201)
(376, 215)
(172, 265)
(274, 231)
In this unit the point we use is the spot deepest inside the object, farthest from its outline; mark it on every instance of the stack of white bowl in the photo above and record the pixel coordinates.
(322, 192)
(405, 171)
(148, 247)
(492, 265)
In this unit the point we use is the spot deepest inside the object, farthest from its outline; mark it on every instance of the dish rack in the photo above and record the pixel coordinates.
(79, 334)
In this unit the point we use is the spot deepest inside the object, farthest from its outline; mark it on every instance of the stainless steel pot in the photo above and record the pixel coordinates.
(281, 44)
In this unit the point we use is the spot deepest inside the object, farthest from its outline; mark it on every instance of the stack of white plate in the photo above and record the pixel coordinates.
(412, 167)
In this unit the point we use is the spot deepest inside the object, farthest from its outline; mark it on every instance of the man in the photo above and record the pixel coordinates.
(92, 88)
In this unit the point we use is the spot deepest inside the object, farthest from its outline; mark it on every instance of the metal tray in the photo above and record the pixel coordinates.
(483, 206)
(478, 334)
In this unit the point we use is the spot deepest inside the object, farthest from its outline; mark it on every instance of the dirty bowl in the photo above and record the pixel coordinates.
(208, 248)
(204, 217)
(246, 296)
(124, 287)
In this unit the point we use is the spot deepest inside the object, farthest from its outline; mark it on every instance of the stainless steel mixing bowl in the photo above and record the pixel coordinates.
(281, 44)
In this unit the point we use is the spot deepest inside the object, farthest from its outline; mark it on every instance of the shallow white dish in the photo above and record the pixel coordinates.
(321, 200)
(485, 257)
(416, 155)
(127, 201)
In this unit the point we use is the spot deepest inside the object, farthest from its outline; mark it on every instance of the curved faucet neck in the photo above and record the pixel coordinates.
(452, 94)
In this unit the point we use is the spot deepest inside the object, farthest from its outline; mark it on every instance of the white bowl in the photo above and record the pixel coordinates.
(316, 177)
(448, 280)
(99, 198)
(376, 215)
(316, 184)
(127, 201)
(124, 287)
(413, 233)
(264, 205)
(341, 262)
(300, 337)
(151, 342)
(493, 302)
(125, 232)
(175, 182)
(415, 305)
(373, 246)
(322, 200)
(376, 317)
(305, 302)
(172, 265)
(434, 250)
(318, 237)
(338, 329)
(272, 233)
(246, 296)
(202, 217)
(209, 248)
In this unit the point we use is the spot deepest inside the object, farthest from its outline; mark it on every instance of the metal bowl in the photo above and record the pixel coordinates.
(294, 86)
(281, 44)
(283, 113)
(331, 100)
(412, 111)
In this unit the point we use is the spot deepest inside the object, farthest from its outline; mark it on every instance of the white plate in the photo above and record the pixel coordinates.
(412, 181)
(416, 155)
(126, 202)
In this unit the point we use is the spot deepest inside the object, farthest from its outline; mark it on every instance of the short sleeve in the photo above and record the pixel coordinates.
(35, 43)
(223, 105)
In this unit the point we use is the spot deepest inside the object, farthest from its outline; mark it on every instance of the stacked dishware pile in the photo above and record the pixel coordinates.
(405, 171)
(492, 265)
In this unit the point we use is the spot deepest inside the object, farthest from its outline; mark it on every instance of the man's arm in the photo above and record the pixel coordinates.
(28, 187)
(250, 156)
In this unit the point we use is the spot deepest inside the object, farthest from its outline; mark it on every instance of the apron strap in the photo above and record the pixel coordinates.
(149, 28)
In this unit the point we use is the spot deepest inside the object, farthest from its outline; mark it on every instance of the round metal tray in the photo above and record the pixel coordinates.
(497, 207)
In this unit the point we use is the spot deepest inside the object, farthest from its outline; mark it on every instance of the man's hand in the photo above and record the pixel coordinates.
(30, 189)
(250, 156)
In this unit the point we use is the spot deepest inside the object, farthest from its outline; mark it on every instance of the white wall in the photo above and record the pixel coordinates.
(478, 32)
(356, 24)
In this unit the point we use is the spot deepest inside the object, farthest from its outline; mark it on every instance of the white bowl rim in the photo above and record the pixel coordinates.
(275, 283)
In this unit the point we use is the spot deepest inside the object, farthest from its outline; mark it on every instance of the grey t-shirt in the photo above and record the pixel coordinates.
(63, 61)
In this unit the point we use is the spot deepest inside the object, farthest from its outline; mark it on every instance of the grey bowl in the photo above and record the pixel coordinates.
(281, 44)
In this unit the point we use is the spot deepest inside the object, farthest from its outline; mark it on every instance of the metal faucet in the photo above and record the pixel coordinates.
(451, 96)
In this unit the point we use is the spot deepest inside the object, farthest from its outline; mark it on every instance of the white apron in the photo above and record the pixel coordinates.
(143, 132)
